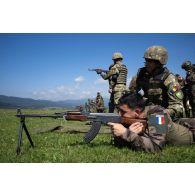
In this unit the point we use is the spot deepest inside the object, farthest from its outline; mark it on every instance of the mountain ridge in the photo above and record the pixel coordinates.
(18, 102)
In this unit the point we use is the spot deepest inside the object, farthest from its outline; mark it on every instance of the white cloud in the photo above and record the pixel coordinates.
(35, 93)
(60, 88)
(74, 91)
(62, 93)
(100, 81)
(79, 79)
(52, 91)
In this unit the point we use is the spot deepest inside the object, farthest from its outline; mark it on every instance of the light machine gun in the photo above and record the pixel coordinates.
(24, 127)
(97, 120)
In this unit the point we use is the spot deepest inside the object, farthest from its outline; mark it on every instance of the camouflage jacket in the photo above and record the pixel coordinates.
(132, 84)
(99, 101)
(182, 83)
(151, 140)
(117, 74)
(190, 78)
(161, 89)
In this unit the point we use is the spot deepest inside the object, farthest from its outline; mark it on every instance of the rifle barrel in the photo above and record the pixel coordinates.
(39, 115)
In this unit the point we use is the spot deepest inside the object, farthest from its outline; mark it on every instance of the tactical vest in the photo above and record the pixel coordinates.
(153, 86)
(122, 77)
(190, 78)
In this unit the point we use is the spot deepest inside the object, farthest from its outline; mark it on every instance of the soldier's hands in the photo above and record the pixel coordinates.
(117, 129)
(137, 127)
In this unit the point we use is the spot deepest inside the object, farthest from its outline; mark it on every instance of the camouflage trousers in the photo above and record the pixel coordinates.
(192, 99)
(181, 132)
(116, 94)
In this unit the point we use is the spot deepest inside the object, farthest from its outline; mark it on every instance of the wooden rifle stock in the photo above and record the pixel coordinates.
(74, 117)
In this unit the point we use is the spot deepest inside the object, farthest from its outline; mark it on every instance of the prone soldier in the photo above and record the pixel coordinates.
(161, 129)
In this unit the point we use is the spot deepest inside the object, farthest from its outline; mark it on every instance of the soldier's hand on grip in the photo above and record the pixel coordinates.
(117, 129)
(137, 127)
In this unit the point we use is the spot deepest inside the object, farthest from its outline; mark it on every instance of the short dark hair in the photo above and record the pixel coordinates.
(133, 101)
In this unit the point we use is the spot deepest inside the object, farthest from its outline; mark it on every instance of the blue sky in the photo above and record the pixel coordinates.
(55, 66)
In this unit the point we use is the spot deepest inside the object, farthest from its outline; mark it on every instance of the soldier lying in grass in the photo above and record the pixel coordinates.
(160, 131)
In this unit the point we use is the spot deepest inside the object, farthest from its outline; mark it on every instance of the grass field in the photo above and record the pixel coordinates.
(66, 145)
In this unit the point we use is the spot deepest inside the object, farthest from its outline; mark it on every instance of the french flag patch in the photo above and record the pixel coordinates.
(160, 119)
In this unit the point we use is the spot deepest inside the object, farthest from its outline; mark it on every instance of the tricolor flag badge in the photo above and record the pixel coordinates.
(160, 119)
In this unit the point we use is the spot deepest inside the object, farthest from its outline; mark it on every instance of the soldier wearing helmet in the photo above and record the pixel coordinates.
(187, 66)
(190, 83)
(117, 77)
(160, 86)
(99, 103)
(184, 88)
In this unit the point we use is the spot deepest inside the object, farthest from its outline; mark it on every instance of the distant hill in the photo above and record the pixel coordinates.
(17, 102)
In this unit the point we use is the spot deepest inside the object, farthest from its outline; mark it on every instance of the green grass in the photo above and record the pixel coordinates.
(66, 145)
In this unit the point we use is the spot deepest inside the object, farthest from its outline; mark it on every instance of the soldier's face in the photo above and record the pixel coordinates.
(125, 111)
(150, 65)
(180, 78)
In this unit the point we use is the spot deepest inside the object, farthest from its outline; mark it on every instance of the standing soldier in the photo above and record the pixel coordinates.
(190, 83)
(184, 88)
(99, 103)
(180, 80)
(87, 105)
(92, 106)
(132, 85)
(117, 77)
(159, 85)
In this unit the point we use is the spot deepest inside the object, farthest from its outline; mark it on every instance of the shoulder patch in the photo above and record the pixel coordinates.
(159, 122)
(179, 95)
(175, 90)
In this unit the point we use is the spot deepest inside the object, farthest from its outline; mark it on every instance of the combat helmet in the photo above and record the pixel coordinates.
(186, 65)
(117, 55)
(157, 53)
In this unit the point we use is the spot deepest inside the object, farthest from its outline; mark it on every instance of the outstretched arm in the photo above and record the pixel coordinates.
(113, 71)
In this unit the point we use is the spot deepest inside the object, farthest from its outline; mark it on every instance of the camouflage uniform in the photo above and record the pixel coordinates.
(80, 108)
(132, 85)
(185, 90)
(190, 80)
(87, 105)
(117, 76)
(160, 88)
(180, 80)
(92, 106)
(99, 103)
(153, 141)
